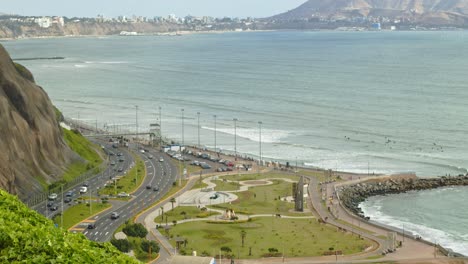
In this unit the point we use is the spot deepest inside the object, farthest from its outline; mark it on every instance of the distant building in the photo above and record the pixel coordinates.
(376, 26)
(44, 22)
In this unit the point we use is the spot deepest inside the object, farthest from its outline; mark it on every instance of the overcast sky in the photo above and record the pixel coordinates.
(149, 8)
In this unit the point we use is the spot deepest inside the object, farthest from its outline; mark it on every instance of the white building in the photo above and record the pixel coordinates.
(44, 22)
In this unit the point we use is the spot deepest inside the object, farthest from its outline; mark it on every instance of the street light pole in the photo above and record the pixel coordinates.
(235, 138)
(198, 114)
(160, 129)
(136, 121)
(182, 129)
(215, 133)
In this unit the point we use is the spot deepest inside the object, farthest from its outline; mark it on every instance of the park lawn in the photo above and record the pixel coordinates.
(262, 200)
(129, 182)
(191, 169)
(77, 213)
(298, 238)
(191, 212)
(262, 176)
(199, 185)
(320, 175)
(225, 186)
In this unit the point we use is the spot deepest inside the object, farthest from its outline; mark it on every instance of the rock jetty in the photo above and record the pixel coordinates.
(351, 196)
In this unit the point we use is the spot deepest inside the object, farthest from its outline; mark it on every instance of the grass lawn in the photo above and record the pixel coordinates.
(262, 200)
(77, 213)
(269, 175)
(199, 185)
(298, 238)
(139, 253)
(190, 213)
(129, 182)
(85, 149)
(225, 186)
(191, 169)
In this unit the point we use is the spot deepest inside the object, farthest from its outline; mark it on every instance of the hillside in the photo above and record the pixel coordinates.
(34, 152)
(421, 11)
(28, 237)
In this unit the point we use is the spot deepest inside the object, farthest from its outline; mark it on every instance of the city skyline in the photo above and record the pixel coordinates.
(108, 8)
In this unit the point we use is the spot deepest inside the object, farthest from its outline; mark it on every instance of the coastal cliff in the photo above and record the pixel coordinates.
(352, 195)
(33, 151)
(12, 30)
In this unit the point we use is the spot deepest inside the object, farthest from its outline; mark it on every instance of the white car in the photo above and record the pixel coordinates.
(83, 189)
(161, 160)
(142, 150)
(123, 195)
(53, 196)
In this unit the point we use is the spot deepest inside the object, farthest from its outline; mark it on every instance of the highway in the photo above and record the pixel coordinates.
(159, 174)
(93, 183)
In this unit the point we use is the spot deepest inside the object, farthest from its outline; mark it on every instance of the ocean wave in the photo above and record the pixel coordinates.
(106, 62)
(75, 101)
(457, 243)
(268, 135)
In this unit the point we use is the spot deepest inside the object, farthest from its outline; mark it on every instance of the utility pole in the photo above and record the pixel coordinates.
(136, 122)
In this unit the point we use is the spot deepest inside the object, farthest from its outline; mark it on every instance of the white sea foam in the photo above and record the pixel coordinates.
(457, 243)
(106, 62)
(268, 135)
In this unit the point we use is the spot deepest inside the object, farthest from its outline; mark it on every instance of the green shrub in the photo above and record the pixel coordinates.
(121, 244)
(146, 245)
(135, 230)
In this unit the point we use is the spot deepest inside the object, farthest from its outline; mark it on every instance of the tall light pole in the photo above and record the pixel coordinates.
(160, 128)
(235, 138)
(260, 140)
(214, 133)
(136, 121)
(198, 114)
(182, 129)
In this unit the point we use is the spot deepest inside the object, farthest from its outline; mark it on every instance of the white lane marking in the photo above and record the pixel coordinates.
(96, 233)
(106, 233)
(86, 232)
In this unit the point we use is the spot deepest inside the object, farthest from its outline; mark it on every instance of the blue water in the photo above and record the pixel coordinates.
(386, 102)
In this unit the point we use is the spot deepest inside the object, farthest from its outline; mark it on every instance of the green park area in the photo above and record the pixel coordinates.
(129, 182)
(225, 185)
(262, 200)
(262, 176)
(183, 213)
(264, 237)
(77, 213)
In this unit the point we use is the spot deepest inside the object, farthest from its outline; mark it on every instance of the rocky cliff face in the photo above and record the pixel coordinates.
(32, 149)
(12, 30)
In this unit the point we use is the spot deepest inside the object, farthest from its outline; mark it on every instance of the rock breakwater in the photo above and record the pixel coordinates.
(351, 196)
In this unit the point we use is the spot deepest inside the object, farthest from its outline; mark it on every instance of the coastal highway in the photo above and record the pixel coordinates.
(93, 182)
(159, 174)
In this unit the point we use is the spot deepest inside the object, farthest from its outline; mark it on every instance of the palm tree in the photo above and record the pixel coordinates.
(173, 200)
(243, 234)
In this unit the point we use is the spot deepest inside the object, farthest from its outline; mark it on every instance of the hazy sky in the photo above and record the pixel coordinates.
(150, 8)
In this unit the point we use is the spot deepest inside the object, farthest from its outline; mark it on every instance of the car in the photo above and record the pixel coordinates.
(54, 207)
(86, 184)
(229, 169)
(69, 194)
(115, 145)
(205, 166)
(220, 170)
(155, 189)
(114, 215)
(91, 226)
(123, 194)
(120, 169)
(53, 196)
(150, 157)
(50, 203)
(142, 150)
(119, 154)
(121, 160)
(67, 200)
(214, 196)
(112, 163)
(148, 187)
(111, 153)
(83, 189)
(161, 160)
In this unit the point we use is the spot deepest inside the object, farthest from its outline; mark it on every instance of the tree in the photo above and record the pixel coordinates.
(226, 249)
(146, 245)
(123, 245)
(173, 200)
(243, 234)
(135, 230)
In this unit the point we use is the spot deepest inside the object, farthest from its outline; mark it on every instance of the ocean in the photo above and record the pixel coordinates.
(365, 102)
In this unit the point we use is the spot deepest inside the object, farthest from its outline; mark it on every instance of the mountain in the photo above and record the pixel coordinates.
(33, 151)
(424, 11)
